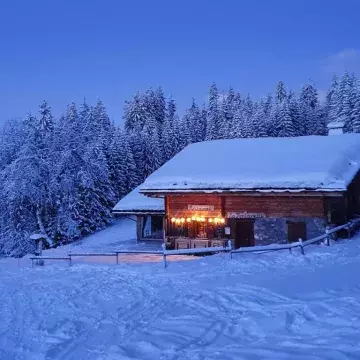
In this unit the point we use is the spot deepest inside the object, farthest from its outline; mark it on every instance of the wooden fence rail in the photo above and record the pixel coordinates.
(255, 249)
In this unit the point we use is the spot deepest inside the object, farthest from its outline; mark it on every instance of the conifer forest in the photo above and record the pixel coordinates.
(62, 176)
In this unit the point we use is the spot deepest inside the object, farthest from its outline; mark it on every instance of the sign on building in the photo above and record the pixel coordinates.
(244, 215)
(201, 207)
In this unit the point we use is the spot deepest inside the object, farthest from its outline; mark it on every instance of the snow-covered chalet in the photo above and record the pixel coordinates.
(258, 191)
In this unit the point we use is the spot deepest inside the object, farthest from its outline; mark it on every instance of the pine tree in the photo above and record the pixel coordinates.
(259, 124)
(345, 105)
(46, 121)
(227, 111)
(135, 113)
(280, 92)
(193, 121)
(308, 104)
(295, 114)
(152, 153)
(285, 122)
(355, 114)
(331, 101)
(212, 126)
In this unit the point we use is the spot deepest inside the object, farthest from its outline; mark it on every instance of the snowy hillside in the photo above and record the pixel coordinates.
(269, 306)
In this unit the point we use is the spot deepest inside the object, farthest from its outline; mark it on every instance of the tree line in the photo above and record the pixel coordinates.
(62, 176)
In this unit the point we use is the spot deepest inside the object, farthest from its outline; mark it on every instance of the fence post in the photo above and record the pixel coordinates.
(301, 246)
(328, 236)
(69, 259)
(164, 255)
(117, 258)
(349, 230)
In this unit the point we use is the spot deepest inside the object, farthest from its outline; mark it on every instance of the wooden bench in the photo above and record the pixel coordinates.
(195, 244)
(182, 244)
(217, 243)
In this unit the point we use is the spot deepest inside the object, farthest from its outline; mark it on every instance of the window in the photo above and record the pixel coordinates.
(152, 227)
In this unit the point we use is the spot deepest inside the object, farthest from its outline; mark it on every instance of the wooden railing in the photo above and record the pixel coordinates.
(349, 227)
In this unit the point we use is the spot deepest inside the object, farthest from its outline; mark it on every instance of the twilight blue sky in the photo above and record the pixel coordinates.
(63, 50)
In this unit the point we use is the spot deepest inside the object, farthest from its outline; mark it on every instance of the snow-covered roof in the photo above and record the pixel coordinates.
(324, 163)
(134, 203)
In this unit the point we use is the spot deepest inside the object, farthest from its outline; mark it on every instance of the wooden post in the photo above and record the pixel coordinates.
(301, 246)
(117, 258)
(328, 236)
(164, 255)
(69, 260)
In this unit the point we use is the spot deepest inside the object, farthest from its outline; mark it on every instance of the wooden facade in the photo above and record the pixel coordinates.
(241, 210)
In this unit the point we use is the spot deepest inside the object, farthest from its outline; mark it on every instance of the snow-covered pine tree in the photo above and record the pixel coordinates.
(331, 101)
(136, 142)
(281, 94)
(159, 108)
(259, 122)
(202, 124)
(355, 113)
(152, 150)
(212, 126)
(345, 101)
(295, 114)
(285, 122)
(227, 110)
(122, 167)
(135, 113)
(45, 121)
(192, 119)
(309, 112)
(168, 131)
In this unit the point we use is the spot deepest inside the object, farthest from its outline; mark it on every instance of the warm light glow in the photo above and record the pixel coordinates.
(198, 219)
(193, 218)
(216, 220)
(178, 221)
(173, 219)
(202, 219)
(182, 220)
(210, 220)
(222, 220)
(188, 219)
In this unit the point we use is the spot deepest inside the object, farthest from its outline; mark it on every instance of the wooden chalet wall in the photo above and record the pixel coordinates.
(276, 206)
(270, 206)
(177, 205)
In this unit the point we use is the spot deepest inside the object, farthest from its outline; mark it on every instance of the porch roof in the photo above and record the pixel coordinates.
(136, 203)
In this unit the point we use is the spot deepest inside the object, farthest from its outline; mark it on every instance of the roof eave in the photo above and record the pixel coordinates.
(263, 191)
(138, 212)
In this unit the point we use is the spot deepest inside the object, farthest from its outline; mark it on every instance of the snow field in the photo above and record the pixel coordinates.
(268, 306)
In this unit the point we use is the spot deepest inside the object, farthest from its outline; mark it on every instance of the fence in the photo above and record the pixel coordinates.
(349, 227)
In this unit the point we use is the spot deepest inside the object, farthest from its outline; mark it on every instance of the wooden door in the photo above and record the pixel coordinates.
(296, 230)
(244, 233)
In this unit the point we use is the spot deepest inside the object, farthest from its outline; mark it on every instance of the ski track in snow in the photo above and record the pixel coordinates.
(271, 306)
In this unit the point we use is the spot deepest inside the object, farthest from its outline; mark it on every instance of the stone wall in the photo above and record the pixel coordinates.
(274, 230)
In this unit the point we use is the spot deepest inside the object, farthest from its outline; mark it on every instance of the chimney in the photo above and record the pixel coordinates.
(335, 128)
